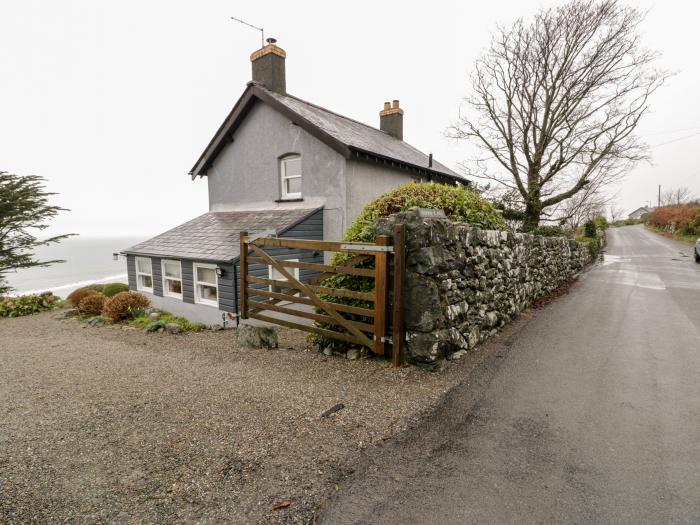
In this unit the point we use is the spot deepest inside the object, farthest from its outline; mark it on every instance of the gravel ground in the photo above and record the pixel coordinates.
(115, 425)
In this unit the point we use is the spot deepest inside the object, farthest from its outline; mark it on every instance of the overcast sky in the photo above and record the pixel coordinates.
(113, 101)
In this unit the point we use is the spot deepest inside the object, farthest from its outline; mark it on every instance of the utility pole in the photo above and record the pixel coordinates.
(659, 199)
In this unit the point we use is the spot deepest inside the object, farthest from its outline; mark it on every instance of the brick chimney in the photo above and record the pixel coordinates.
(268, 67)
(391, 119)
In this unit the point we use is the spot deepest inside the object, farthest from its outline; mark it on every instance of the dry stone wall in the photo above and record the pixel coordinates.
(462, 283)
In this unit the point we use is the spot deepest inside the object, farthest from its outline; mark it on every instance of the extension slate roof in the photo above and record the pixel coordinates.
(347, 136)
(214, 236)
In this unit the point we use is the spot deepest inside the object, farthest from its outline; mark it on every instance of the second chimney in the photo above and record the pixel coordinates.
(391, 119)
(268, 67)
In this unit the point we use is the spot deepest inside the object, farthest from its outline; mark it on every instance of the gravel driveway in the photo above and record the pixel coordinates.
(115, 425)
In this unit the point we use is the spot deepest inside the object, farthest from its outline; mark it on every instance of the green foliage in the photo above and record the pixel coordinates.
(595, 244)
(590, 230)
(24, 210)
(551, 231)
(95, 287)
(626, 222)
(112, 289)
(143, 321)
(28, 304)
(459, 203)
(601, 222)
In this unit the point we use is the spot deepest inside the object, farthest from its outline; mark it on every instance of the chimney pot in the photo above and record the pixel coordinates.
(268, 67)
(391, 119)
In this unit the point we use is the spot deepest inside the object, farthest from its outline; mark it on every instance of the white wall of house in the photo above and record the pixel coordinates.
(367, 181)
(246, 174)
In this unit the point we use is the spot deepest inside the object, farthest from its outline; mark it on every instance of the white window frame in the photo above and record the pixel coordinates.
(197, 297)
(271, 269)
(166, 293)
(284, 178)
(139, 287)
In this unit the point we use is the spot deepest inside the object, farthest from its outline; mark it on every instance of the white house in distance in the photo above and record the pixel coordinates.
(639, 212)
(276, 164)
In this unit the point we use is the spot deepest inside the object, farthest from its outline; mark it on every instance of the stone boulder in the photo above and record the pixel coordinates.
(257, 336)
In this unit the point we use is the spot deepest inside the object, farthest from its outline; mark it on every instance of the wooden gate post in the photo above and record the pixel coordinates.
(243, 257)
(381, 269)
(397, 329)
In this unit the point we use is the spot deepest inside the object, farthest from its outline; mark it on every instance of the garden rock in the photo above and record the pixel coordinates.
(153, 316)
(173, 328)
(353, 354)
(257, 336)
(328, 351)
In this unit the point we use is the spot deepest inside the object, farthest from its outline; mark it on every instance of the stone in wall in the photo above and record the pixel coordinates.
(463, 284)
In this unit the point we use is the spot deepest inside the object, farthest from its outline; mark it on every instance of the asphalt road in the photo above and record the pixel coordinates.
(590, 413)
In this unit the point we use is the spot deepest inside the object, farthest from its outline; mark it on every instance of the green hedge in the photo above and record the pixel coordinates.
(459, 203)
(112, 289)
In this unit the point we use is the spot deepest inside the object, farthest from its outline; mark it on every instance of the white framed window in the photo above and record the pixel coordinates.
(206, 284)
(275, 274)
(290, 172)
(144, 274)
(172, 278)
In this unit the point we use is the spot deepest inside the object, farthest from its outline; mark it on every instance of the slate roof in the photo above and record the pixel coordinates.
(214, 236)
(347, 136)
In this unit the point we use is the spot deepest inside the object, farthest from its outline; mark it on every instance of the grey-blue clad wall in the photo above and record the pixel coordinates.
(310, 228)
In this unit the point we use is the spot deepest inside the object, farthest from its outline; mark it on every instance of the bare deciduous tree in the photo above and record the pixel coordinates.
(582, 207)
(556, 101)
(676, 196)
(616, 213)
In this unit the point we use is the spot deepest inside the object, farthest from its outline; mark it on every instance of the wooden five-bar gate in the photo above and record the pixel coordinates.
(304, 302)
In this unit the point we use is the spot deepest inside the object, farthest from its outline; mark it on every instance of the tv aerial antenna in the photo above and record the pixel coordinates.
(262, 31)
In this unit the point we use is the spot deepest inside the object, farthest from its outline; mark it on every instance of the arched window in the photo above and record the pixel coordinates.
(290, 175)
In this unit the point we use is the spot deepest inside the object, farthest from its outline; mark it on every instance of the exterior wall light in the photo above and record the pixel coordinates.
(219, 272)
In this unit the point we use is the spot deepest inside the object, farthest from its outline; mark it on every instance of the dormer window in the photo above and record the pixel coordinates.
(290, 173)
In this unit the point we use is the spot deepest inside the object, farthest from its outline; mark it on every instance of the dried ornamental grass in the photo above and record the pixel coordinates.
(92, 304)
(124, 305)
(78, 295)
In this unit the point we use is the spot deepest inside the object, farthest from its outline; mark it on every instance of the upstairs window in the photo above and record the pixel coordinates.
(290, 170)
(206, 284)
(144, 274)
(172, 279)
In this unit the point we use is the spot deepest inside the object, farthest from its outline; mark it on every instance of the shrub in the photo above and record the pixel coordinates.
(594, 244)
(96, 287)
(601, 222)
(551, 231)
(112, 289)
(590, 229)
(164, 319)
(78, 295)
(124, 305)
(683, 219)
(92, 304)
(459, 203)
(28, 304)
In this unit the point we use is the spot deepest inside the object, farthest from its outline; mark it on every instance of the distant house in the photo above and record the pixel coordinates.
(639, 212)
(277, 164)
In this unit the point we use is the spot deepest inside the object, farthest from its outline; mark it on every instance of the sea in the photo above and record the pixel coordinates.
(88, 260)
